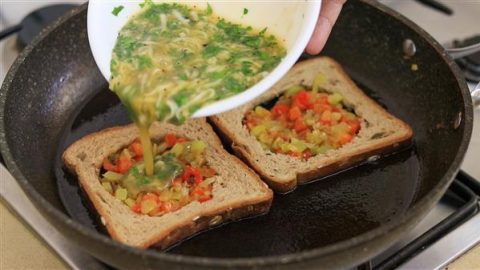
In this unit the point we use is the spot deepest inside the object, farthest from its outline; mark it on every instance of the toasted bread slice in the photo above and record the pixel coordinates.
(380, 131)
(237, 191)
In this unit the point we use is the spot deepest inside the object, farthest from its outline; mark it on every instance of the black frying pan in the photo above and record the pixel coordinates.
(54, 94)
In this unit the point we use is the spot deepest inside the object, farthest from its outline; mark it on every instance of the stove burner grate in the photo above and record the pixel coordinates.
(469, 64)
(464, 187)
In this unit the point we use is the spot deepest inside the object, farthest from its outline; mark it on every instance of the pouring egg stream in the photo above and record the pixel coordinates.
(170, 60)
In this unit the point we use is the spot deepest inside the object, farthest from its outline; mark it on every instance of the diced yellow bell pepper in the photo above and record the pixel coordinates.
(112, 176)
(129, 202)
(335, 98)
(293, 90)
(177, 149)
(121, 194)
(198, 146)
(299, 145)
(336, 116)
(147, 206)
(257, 130)
(319, 80)
(262, 112)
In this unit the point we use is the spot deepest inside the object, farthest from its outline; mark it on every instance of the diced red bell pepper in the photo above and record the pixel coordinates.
(354, 125)
(294, 154)
(306, 154)
(166, 206)
(136, 148)
(202, 194)
(157, 211)
(192, 172)
(302, 100)
(198, 191)
(321, 107)
(108, 166)
(335, 109)
(181, 140)
(204, 198)
(280, 109)
(151, 197)
(251, 121)
(136, 208)
(170, 139)
(346, 138)
(177, 182)
(299, 125)
(124, 164)
(294, 113)
(323, 100)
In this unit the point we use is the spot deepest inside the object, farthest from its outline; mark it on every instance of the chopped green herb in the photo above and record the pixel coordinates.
(142, 180)
(116, 10)
(218, 74)
(181, 98)
(125, 46)
(183, 76)
(144, 62)
(263, 31)
(146, 3)
(211, 50)
(209, 9)
(246, 70)
(233, 85)
(253, 42)
(245, 11)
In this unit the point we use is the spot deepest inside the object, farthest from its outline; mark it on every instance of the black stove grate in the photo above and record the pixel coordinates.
(464, 187)
(469, 64)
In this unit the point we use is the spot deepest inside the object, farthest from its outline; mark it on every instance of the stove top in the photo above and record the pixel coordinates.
(451, 228)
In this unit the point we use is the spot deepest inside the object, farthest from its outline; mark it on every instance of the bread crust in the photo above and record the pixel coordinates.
(242, 145)
(84, 158)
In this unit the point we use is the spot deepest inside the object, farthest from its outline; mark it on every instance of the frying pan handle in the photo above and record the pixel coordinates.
(476, 97)
(456, 53)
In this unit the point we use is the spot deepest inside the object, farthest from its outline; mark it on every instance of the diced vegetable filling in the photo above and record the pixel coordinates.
(304, 122)
(181, 175)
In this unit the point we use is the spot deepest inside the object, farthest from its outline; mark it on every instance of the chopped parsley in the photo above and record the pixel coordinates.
(263, 31)
(209, 9)
(117, 10)
(145, 3)
(144, 62)
(211, 50)
(245, 11)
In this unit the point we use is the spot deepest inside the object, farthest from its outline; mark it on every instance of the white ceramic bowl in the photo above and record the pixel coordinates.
(291, 21)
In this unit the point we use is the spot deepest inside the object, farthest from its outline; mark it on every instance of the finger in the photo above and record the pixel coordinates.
(328, 15)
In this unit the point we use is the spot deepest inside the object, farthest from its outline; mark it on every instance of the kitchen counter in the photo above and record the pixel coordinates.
(21, 248)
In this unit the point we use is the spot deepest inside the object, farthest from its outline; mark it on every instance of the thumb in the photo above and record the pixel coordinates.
(328, 15)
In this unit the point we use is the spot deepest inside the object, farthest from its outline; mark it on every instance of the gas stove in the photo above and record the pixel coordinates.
(449, 230)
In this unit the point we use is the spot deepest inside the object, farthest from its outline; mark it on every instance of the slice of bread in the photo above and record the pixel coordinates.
(237, 191)
(380, 131)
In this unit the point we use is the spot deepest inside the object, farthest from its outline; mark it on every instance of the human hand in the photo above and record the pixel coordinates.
(328, 15)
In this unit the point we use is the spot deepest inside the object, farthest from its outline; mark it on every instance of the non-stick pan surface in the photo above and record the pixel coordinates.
(54, 94)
